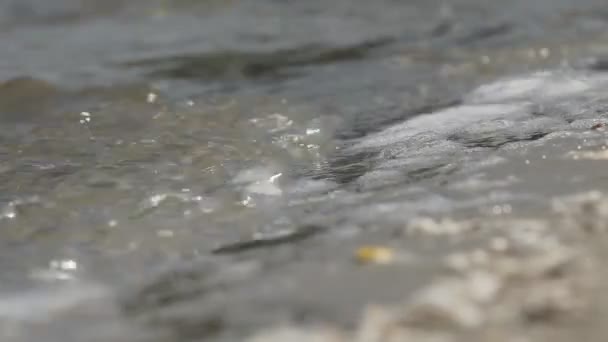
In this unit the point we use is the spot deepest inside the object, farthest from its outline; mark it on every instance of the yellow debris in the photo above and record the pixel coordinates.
(374, 255)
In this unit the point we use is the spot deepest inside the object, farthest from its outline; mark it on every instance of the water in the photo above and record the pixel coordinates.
(205, 170)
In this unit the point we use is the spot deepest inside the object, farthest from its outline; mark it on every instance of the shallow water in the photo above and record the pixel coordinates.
(189, 170)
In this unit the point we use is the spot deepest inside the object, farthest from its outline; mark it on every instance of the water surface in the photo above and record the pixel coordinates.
(189, 170)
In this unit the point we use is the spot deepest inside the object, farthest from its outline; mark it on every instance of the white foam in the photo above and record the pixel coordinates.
(443, 122)
(512, 100)
(510, 114)
(538, 86)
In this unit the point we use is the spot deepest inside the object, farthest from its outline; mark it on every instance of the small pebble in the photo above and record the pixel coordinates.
(374, 255)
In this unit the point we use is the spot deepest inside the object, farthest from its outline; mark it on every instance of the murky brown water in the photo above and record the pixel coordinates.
(207, 170)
